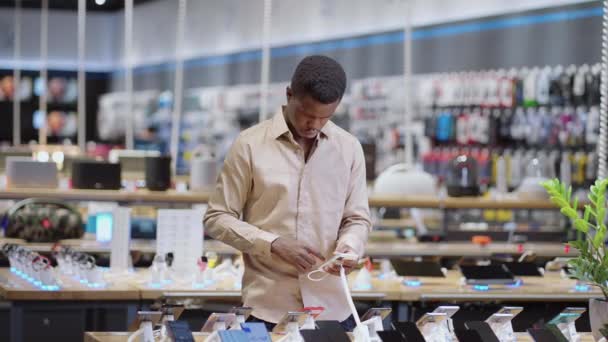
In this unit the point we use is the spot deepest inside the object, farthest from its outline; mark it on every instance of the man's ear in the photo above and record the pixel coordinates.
(288, 93)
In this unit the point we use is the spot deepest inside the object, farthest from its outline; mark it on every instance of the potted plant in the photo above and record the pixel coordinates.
(591, 265)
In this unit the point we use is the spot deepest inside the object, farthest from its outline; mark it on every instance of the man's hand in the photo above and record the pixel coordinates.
(298, 254)
(348, 265)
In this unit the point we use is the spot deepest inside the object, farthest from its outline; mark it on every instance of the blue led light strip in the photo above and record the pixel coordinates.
(378, 39)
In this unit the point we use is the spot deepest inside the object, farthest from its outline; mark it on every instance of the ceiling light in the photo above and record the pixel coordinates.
(100, 2)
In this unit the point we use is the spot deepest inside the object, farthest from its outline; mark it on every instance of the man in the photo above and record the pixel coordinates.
(291, 193)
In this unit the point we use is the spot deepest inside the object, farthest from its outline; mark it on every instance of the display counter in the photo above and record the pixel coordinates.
(552, 287)
(83, 307)
(389, 249)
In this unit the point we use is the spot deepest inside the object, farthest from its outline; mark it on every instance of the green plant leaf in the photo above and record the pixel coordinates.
(581, 225)
(560, 202)
(598, 239)
(592, 197)
(569, 212)
(591, 210)
(587, 213)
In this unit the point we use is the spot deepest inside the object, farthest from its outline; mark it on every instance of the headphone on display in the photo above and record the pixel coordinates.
(42, 220)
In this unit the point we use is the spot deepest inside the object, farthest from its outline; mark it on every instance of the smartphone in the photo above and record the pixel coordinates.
(567, 316)
(547, 334)
(483, 330)
(314, 336)
(145, 316)
(524, 269)
(179, 331)
(431, 317)
(409, 331)
(382, 312)
(447, 309)
(256, 331)
(173, 310)
(242, 311)
(393, 336)
(227, 318)
(290, 317)
(512, 310)
(333, 330)
(499, 319)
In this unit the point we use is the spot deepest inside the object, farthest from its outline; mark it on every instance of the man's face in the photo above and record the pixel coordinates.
(306, 115)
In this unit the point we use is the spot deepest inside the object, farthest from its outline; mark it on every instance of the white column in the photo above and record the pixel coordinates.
(44, 37)
(602, 146)
(179, 84)
(82, 110)
(129, 134)
(407, 79)
(17, 76)
(265, 75)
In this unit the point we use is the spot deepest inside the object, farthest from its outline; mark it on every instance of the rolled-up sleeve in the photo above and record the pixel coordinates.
(356, 223)
(223, 218)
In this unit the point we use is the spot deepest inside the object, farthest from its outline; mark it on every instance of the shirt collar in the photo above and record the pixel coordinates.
(279, 126)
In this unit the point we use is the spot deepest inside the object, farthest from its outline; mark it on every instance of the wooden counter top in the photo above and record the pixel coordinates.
(135, 286)
(395, 248)
(550, 288)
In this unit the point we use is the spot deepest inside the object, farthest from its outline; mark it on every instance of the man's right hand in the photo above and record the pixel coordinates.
(298, 254)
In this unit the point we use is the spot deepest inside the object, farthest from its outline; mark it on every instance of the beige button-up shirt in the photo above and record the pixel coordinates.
(266, 189)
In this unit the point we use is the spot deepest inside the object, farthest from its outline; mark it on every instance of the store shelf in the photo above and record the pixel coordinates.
(189, 197)
(137, 245)
(465, 249)
(138, 196)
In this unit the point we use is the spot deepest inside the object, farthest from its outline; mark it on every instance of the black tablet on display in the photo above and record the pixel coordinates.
(417, 268)
(492, 274)
(523, 269)
(391, 336)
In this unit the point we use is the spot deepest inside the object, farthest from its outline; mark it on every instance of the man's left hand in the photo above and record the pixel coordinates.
(349, 265)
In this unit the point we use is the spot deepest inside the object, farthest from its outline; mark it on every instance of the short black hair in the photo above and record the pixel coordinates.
(319, 77)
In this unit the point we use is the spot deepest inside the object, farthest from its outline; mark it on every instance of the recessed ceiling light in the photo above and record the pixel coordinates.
(100, 2)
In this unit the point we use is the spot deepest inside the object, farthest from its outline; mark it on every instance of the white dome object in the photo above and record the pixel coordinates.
(530, 188)
(403, 179)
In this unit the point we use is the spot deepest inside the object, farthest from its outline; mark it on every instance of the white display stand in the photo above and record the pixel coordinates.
(180, 231)
(121, 237)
